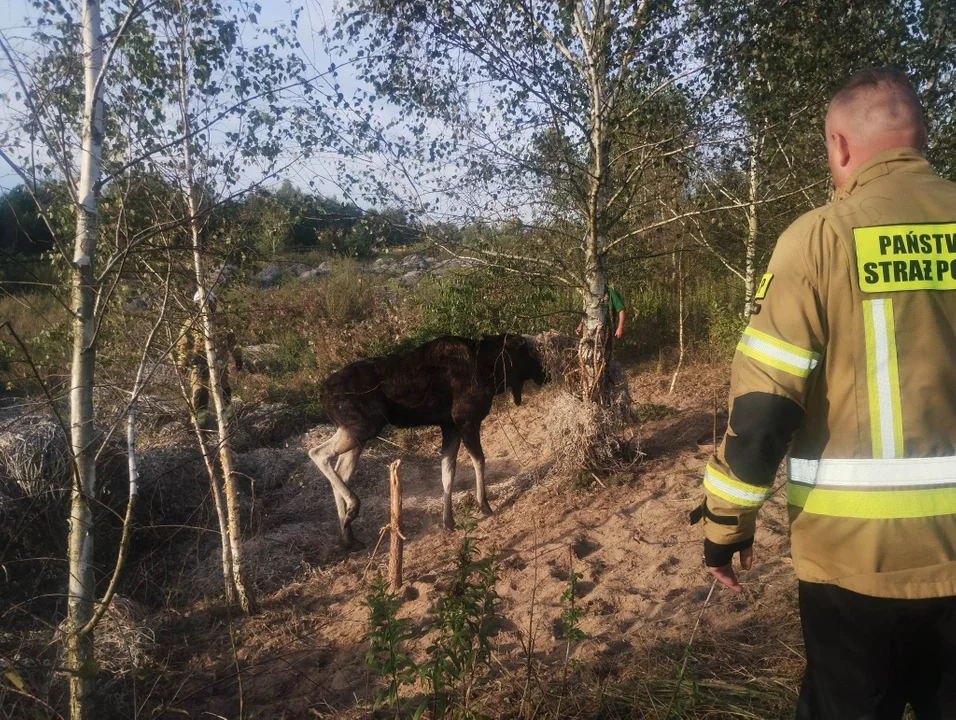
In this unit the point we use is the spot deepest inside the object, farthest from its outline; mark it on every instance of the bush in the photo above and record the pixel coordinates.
(726, 326)
(459, 658)
(43, 326)
(484, 301)
(344, 297)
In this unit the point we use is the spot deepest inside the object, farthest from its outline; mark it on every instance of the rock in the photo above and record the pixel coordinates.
(269, 276)
(419, 262)
(298, 269)
(222, 275)
(257, 358)
(412, 277)
(383, 265)
(315, 274)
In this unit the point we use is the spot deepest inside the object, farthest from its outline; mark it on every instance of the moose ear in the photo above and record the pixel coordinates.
(515, 342)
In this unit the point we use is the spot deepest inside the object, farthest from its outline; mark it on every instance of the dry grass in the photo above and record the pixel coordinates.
(35, 460)
(585, 435)
(125, 639)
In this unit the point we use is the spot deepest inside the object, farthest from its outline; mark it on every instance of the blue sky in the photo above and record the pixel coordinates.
(314, 16)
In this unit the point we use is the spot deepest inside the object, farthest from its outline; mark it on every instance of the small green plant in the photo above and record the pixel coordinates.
(385, 635)
(460, 656)
(571, 616)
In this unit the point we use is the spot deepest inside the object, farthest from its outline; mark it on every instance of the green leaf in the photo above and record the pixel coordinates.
(14, 679)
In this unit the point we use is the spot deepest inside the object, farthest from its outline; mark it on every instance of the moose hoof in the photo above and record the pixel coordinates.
(350, 542)
(352, 510)
(486, 509)
(448, 523)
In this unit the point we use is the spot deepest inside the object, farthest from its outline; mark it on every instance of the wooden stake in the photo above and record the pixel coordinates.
(397, 539)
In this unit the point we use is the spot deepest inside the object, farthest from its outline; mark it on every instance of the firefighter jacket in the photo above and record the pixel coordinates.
(848, 368)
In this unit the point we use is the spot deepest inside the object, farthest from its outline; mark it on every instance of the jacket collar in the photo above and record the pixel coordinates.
(896, 160)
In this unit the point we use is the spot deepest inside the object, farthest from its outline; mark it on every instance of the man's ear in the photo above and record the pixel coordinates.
(842, 148)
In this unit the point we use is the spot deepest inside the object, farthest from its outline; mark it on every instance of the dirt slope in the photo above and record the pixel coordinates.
(643, 584)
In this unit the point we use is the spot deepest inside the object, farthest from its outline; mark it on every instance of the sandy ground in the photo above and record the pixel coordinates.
(643, 588)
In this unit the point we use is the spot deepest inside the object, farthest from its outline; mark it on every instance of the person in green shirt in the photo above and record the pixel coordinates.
(613, 308)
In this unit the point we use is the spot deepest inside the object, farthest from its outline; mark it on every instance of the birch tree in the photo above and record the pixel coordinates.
(501, 78)
(81, 590)
(84, 53)
(236, 98)
(773, 69)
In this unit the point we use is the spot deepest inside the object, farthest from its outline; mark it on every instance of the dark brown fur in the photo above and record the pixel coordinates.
(450, 382)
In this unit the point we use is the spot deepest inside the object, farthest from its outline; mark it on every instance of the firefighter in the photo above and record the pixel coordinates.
(190, 357)
(848, 367)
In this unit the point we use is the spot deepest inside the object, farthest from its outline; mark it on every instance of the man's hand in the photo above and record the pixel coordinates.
(619, 333)
(725, 573)
(719, 559)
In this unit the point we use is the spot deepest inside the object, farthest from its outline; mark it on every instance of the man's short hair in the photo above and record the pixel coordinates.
(874, 78)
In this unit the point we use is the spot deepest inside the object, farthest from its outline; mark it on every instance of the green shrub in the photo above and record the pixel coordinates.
(458, 660)
(726, 326)
(345, 296)
(460, 656)
(385, 635)
(484, 301)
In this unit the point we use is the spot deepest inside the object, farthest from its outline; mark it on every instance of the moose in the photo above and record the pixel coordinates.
(450, 382)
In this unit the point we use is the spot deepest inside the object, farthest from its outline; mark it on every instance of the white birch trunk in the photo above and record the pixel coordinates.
(223, 412)
(229, 582)
(750, 270)
(592, 348)
(680, 318)
(81, 590)
(209, 460)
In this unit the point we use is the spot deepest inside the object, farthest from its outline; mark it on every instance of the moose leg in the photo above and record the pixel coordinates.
(346, 501)
(344, 467)
(450, 442)
(470, 434)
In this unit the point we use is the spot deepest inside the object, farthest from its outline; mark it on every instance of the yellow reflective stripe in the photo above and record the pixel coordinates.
(873, 504)
(777, 354)
(734, 491)
(882, 378)
(778, 343)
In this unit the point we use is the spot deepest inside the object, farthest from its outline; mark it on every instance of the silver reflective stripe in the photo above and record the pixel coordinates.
(749, 497)
(764, 346)
(874, 473)
(883, 379)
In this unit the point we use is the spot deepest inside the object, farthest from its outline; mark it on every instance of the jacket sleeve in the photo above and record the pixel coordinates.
(775, 363)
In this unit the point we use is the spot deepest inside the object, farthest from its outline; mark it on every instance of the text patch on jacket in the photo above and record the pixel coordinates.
(896, 258)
